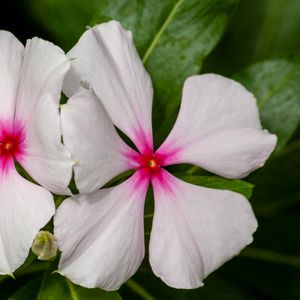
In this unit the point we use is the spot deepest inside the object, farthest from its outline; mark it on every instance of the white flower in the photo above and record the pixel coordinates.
(195, 229)
(30, 134)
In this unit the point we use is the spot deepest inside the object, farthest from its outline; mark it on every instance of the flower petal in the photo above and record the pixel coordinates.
(46, 159)
(89, 134)
(195, 230)
(218, 128)
(25, 209)
(101, 235)
(11, 56)
(106, 58)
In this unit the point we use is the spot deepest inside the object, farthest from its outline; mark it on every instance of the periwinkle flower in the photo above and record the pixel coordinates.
(30, 133)
(195, 229)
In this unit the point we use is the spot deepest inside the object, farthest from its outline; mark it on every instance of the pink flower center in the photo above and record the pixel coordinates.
(151, 162)
(148, 164)
(12, 139)
(9, 146)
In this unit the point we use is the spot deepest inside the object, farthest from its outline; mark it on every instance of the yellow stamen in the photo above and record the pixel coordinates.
(151, 163)
(8, 146)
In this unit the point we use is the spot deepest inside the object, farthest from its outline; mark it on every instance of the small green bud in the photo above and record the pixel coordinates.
(44, 245)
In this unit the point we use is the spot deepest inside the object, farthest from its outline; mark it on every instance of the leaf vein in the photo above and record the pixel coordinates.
(161, 31)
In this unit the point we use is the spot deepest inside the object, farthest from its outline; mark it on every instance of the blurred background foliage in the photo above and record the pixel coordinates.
(256, 42)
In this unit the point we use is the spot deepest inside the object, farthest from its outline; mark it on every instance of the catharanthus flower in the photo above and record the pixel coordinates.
(30, 87)
(195, 229)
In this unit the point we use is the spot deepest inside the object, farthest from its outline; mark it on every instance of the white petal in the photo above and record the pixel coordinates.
(11, 55)
(46, 159)
(195, 230)
(106, 58)
(89, 134)
(232, 153)
(101, 235)
(25, 209)
(43, 70)
(218, 128)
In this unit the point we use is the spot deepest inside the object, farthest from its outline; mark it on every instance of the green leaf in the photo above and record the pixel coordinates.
(277, 184)
(272, 263)
(275, 83)
(139, 290)
(28, 291)
(56, 287)
(266, 279)
(216, 182)
(64, 20)
(271, 256)
(259, 30)
(214, 289)
(173, 38)
(279, 30)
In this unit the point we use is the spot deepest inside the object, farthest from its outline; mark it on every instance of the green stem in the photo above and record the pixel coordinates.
(270, 256)
(72, 290)
(138, 289)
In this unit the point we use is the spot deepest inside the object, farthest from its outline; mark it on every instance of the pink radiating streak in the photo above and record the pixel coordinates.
(143, 140)
(148, 164)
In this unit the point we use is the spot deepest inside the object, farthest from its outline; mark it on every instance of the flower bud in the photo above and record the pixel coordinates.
(44, 245)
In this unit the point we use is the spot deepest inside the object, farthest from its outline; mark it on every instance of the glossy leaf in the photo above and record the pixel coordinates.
(215, 182)
(173, 38)
(56, 287)
(275, 83)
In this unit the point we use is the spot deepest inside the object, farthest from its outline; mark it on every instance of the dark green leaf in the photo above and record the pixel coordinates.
(56, 287)
(275, 84)
(65, 20)
(272, 263)
(271, 256)
(214, 289)
(265, 280)
(279, 30)
(259, 30)
(28, 291)
(139, 290)
(216, 182)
